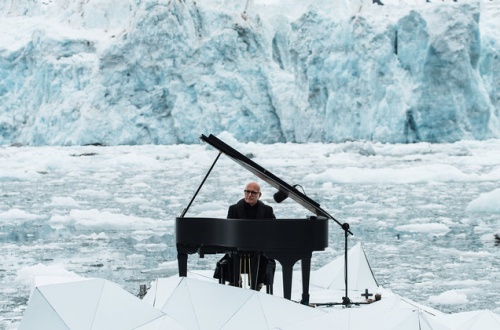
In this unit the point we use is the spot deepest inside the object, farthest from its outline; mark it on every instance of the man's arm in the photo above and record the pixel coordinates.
(270, 212)
(231, 212)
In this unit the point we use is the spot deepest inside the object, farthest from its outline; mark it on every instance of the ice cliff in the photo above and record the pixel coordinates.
(163, 72)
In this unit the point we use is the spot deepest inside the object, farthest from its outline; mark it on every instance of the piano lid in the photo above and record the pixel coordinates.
(266, 176)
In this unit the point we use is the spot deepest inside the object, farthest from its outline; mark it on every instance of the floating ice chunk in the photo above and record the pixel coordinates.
(94, 236)
(95, 219)
(490, 237)
(17, 214)
(103, 220)
(92, 193)
(430, 228)
(425, 173)
(133, 200)
(486, 202)
(451, 297)
(64, 201)
(26, 275)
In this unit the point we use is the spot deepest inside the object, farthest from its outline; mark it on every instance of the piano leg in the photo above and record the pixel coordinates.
(270, 269)
(254, 271)
(287, 260)
(306, 274)
(236, 270)
(287, 269)
(182, 259)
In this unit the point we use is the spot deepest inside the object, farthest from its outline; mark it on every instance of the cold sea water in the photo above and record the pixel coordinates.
(421, 212)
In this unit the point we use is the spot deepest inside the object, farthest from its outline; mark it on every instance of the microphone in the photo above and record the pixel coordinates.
(280, 196)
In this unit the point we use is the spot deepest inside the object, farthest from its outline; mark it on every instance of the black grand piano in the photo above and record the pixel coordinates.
(285, 240)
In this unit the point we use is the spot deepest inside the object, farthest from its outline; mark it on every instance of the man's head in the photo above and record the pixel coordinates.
(252, 193)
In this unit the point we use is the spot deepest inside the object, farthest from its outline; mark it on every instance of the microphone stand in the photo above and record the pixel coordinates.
(345, 226)
(345, 300)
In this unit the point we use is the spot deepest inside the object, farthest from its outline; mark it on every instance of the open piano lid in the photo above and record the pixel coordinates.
(266, 176)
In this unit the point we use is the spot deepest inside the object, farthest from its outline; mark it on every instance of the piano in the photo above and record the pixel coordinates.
(285, 240)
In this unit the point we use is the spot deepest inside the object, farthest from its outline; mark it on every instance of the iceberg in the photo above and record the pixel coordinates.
(159, 72)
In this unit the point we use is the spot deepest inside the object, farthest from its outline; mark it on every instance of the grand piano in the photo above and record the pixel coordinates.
(285, 240)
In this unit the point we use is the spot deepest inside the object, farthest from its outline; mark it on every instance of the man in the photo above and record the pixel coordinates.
(249, 207)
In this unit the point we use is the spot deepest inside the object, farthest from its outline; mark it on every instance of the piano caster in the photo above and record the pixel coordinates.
(271, 267)
(222, 267)
(269, 289)
(305, 299)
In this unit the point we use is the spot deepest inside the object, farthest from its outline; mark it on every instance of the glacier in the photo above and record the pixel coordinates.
(139, 72)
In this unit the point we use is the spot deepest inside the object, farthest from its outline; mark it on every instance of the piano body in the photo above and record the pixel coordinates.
(285, 240)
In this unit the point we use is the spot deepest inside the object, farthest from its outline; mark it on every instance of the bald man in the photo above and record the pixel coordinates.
(249, 207)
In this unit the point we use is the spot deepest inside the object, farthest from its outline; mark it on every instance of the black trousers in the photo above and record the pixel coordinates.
(231, 266)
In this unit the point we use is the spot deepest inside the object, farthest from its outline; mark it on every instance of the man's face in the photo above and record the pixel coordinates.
(252, 193)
